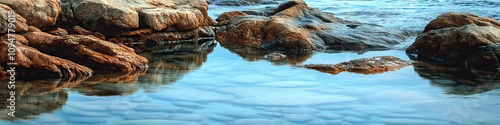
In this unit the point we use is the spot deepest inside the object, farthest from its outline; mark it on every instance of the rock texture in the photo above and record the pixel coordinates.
(144, 20)
(88, 51)
(459, 40)
(19, 23)
(374, 65)
(33, 64)
(294, 26)
(38, 13)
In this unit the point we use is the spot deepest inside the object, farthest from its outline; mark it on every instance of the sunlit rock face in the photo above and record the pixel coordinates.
(294, 26)
(459, 81)
(38, 13)
(374, 65)
(459, 40)
(140, 20)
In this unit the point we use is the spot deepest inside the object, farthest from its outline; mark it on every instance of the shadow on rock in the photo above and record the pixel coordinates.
(459, 81)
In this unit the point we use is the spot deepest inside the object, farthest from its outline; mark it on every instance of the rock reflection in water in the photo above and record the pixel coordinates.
(34, 98)
(459, 81)
(291, 58)
(168, 64)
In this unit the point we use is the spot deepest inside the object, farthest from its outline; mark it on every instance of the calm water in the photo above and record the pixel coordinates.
(208, 84)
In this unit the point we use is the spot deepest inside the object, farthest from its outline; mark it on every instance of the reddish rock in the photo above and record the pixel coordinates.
(294, 26)
(462, 44)
(374, 65)
(33, 64)
(39, 13)
(89, 51)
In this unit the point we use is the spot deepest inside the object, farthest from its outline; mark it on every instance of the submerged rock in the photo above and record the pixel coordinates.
(295, 26)
(374, 65)
(459, 40)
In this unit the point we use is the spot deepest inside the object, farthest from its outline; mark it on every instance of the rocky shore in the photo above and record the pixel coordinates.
(75, 38)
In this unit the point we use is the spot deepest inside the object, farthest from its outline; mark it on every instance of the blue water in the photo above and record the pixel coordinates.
(213, 85)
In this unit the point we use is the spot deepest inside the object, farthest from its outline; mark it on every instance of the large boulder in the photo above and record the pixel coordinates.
(295, 26)
(137, 18)
(38, 13)
(16, 19)
(33, 64)
(374, 65)
(459, 40)
(88, 51)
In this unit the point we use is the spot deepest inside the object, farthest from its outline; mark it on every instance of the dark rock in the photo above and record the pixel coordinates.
(374, 65)
(293, 26)
(462, 44)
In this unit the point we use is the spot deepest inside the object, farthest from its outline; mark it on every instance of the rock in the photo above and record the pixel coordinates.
(39, 13)
(57, 31)
(454, 19)
(241, 2)
(18, 21)
(374, 65)
(462, 44)
(294, 26)
(275, 56)
(33, 64)
(88, 51)
(81, 31)
(180, 17)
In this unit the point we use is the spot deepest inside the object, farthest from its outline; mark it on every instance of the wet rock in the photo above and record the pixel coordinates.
(374, 65)
(275, 56)
(459, 40)
(294, 26)
(33, 64)
(89, 51)
(241, 2)
(16, 19)
(178, 17)
(38, 13)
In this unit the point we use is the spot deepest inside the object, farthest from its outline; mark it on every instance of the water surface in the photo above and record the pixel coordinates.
(208, 84)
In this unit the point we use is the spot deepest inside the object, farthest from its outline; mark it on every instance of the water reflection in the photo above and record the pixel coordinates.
(459, 81)
(34, 98)
(45, 96)
(292, 58)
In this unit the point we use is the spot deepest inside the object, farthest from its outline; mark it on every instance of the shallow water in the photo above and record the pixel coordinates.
(208, 84)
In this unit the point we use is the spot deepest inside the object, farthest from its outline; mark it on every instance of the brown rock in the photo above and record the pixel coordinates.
(454, 19)
(89, 51)
(124, 15)
(18, 21)
(464, 45)
(33, 64)
(39, 13)
(374, 65)
(82, 31)
(294, 26)
(58, 31)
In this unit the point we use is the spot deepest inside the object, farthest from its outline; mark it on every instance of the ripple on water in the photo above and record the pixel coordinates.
(189, 94)
(290, 84)
(298, 118)
(282, 96)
